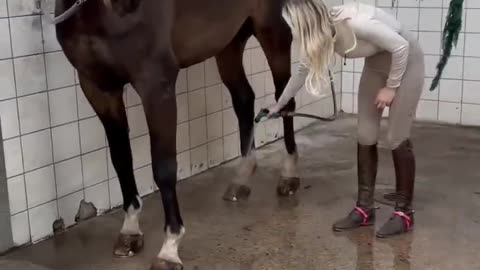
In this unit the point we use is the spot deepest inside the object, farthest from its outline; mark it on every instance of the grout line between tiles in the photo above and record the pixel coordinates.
(49, 109)
(19, 127)
(463, 71)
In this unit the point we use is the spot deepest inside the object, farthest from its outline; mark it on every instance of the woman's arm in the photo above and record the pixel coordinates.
(297, 80)
(386, 38)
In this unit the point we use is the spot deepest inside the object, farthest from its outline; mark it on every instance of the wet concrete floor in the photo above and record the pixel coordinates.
(268, 233)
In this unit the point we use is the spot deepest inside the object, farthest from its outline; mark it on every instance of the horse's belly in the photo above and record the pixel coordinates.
(203, 29)
(199, 47)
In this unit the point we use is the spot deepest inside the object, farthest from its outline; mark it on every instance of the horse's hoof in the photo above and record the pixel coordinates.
(128, 245)
(288, 186)
(236, 192)
(161, 264)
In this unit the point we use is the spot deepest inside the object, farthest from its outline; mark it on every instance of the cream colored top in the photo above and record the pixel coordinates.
(361, 31)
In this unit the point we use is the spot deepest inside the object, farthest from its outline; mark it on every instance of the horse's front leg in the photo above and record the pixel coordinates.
(109, 106)
(156, 86)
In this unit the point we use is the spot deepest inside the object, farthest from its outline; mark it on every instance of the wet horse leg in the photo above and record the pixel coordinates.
(109, 106)
(275, 38)
(156, 87)
(230, 66)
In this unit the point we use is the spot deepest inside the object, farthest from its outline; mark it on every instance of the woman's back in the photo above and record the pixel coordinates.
(359, 12)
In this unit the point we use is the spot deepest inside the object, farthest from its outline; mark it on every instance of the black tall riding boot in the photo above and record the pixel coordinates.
(402, 219)
(364, 213)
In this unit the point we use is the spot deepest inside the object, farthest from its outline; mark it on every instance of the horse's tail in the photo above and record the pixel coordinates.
(449, 38)
(311, 25)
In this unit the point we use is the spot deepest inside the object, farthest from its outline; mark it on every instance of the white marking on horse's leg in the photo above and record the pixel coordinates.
(169, 251)
(289, 169)
(131, 224)
(246, 169)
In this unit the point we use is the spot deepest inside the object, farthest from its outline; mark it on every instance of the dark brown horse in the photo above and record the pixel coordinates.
(145, 42)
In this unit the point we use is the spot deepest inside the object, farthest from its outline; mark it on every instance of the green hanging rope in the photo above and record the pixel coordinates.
(449, 37)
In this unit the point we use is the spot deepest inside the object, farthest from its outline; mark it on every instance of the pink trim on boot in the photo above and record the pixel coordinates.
(405, 218)
(363, 214)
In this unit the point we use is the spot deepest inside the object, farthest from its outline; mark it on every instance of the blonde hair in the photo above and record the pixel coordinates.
(311, 24)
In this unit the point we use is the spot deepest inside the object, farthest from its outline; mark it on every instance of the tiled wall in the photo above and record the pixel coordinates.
(457, 99)
(55, 146)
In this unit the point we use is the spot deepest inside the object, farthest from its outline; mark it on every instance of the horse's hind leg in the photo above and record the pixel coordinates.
(275, 38)
(108, 104)
(230, 66)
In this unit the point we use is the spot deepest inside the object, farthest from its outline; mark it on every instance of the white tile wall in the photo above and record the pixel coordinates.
(26, 34)
(16, 190)
(9, 118)
(457, 99)
(470, 114)
(68, 176)
(182, 108)
(60, 72)
(198, 159)
(144, 180)
(37, 149)
(115, 192)
(68, 206)
(40, 186)
(198, 132)
(472, 3)
(63, 106)
(196, 104)
(136, 121)
(3, 8)
(184, 169)
(94, 167)
(21, 228)
(449, 112)
(66, 142)
(21, 7)
(99, 196)
(30, 74)
(13, 157)
(92, 134)
(141, 151)
(41, 219)
(5, 47)
(34, 113)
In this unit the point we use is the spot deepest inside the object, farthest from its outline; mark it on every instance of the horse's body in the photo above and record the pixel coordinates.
(145, 43)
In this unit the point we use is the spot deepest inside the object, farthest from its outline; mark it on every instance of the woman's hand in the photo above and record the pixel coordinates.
(385, 98)
(274, 109)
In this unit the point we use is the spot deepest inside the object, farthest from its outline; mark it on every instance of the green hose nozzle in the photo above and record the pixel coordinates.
(264, 113)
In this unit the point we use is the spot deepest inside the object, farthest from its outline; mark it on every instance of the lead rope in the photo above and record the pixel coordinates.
(264, 112)
(41, 5)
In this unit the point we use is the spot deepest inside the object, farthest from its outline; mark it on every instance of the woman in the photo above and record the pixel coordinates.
(393, 76)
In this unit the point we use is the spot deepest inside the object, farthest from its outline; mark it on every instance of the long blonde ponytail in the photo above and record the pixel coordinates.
(310, 23)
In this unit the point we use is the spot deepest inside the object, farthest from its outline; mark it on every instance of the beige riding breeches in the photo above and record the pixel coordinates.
(403, 108)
